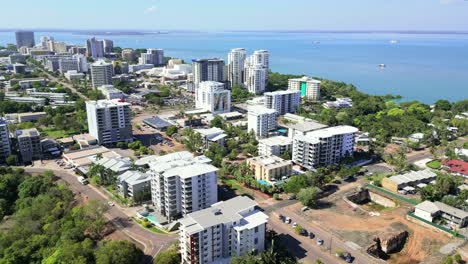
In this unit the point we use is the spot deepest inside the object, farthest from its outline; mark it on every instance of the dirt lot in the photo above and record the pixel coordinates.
(356, 226)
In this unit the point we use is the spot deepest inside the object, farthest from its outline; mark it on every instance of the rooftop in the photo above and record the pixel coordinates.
(224, 212)
(434, 207)
(413, 176)
(132, 177)
(157, 122)
(183, 164)
(214, 131)
(108, 103)
(31, 114)
(305, 79)
(306, 126)
(282, 92)
(30, 132)
(270, 161)
(457, 166)
(116, 164)
(260, 110)
(275, 141)
(331, 131)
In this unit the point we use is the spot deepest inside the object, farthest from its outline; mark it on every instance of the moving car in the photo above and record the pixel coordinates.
(319, 242)
(110, 203)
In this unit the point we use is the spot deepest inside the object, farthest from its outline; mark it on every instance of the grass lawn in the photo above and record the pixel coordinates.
(435, 164)
(55, 133)
(233, 184)
(152, 228)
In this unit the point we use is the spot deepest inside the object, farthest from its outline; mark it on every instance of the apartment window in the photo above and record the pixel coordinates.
(256, 241)
(256, 229)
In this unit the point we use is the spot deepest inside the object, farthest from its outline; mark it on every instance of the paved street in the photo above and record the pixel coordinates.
(151, 242)
(64, 84)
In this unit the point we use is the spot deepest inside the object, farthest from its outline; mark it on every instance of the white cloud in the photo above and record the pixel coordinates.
(151, 9)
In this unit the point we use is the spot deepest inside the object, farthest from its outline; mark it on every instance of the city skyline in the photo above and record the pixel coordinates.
(397, 15)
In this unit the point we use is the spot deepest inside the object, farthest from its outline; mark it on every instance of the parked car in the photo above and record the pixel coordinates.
(110, 203)
(303, 232)
(319, 242)
(311, 235)
(292, 197)
(347, 257)
(288, 220)
(305, 208)
(294, 225)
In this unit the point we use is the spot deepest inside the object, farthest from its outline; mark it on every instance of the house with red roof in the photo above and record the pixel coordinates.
(457, 167)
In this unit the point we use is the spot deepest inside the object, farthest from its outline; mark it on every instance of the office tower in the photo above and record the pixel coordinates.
(5, 145)
(68, 64)
(101, 73)
(182, 183)
(256, 78)
(45, 40)
(153, 56)
(108, 45)
(323, 147)
(25, 39)
(29, 144)
(128, 55)
(211, 96)
(229, 228)
(310, 88)
(95, 48)
(236, 61)
(208, 70)
(283, 101)
(261, 120)
(109, 121)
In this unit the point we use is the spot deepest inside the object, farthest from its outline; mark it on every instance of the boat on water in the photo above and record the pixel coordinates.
(382, 65)
(394, 41)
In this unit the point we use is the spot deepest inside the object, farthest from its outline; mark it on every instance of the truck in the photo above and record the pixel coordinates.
(83, 180)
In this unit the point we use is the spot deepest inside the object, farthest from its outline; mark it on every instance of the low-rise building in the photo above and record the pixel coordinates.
(457, 167)
(29, 144)
(134, 183)
(274, 146)
(116, 164)
(29, 100)
(270, 169)
(212, 135)
(84, 157)
(429, 211)
(411, 179)
(230, 228)
(339, 103)
(110, 92)
(74, 75)
(30, 117)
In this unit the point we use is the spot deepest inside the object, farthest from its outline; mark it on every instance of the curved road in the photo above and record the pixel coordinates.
(151, 242)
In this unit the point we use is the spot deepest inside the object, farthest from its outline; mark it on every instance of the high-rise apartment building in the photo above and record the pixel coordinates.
(256, 78)
(45, 40)
(283, 101)
(323, 147)
(109, 121)
(229, 228)
(236, 61)
(211, 96)
(261, 120)
(275, 146)
(153, 56)
(25, 39)
(95, 48)
(128, 55)
(29, 144)
(108, 45)
(260, 57)
(208, 70)
(101, 73)
(310, 88)
(182, 183)
(5, 144)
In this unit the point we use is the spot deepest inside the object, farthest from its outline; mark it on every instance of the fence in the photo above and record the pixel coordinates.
(392, 194)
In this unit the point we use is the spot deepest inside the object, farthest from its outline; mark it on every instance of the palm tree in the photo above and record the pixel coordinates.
(98, 156)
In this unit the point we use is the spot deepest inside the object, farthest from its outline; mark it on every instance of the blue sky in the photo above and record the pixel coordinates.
(237, 14)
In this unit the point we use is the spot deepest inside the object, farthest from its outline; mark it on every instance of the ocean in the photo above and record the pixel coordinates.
(423, 67)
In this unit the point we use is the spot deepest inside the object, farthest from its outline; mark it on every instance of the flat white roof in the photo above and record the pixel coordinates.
(260, 110)
(275, 141)
(108, 103)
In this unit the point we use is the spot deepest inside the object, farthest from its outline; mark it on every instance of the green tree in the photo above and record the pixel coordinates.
(217, 121)
(309, 196)
(167, 257)
(443, 105)
(298, 229)
(118, 252)
(12, 160)
(296, 183)
(171, 130)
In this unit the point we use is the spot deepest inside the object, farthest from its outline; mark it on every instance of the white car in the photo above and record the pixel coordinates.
(110, 203)
(294, 225)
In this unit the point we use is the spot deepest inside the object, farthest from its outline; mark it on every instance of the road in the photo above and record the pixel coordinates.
(305, 248)
(64, 84)
(152, 243)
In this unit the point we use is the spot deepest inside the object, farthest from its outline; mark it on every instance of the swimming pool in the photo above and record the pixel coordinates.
(152, 219)
(264, 182)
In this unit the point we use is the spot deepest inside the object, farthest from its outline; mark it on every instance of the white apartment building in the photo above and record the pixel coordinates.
(310, 88)
(229, 228)
(152, 56)
(101, 73)
(68, 64)
(274, 146)
(182, 183)
(74, 75)
(283, 101)
(260, 57)
(261, 120)
(109, 121)
(236, 61)
(256, 78)
(110, 92)
(211, 96)
(323, 147)
(212, 135)
(5, 145)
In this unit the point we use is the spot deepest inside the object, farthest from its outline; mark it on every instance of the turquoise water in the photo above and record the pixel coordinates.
(152, 218)
(264, 182)
(421, 67)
